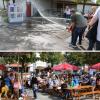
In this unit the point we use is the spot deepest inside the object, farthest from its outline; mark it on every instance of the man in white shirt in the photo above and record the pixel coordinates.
(94, 19)
(67, 12)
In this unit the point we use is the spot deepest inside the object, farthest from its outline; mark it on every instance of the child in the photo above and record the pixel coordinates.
(4, 90)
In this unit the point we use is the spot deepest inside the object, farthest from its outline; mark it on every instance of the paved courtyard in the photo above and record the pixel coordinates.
(45, 96)
(36, 34)
(41, 96)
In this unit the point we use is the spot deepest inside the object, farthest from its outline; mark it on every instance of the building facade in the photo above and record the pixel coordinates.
(46, 7)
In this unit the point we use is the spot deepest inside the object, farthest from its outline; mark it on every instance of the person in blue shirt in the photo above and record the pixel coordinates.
(8, 81)
(75, 81)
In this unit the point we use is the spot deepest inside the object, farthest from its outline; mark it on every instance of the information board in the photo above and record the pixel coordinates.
(15, 13)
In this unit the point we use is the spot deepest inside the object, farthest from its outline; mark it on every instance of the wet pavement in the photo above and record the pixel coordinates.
(36, 34)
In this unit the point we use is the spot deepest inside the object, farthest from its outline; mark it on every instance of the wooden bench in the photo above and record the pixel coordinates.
(79, 91)
(86, 93)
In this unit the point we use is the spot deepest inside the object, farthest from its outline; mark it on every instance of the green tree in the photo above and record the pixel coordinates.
(81, 58)
(98, 1)
(52, 57)
(4, 3)
(18, 57)
(24, 58)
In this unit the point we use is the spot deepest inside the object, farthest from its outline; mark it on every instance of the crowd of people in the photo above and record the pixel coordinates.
(50, 81)
(81, 23)
(11, 86)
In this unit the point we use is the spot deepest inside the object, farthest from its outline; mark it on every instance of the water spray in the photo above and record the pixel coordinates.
(40, 6)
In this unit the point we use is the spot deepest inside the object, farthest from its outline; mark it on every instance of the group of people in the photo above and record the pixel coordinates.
(80, 23)
(11, 86)
(50, 81)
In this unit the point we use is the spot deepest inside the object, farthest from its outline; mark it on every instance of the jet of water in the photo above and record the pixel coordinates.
(42, 8)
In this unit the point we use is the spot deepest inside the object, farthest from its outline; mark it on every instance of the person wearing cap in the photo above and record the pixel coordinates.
(78, 26)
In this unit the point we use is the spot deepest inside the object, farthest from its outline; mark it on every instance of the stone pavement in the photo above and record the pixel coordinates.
(41, 96)
(45, 96)
(36, 34)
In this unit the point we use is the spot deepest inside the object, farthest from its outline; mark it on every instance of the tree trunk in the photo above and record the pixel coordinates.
(4, 4)
(84, 6)
(22, 69)
(13, 1)
(52, 64)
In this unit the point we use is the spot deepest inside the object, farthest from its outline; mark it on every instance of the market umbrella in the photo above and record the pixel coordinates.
(75, 68)
(57, 68)
(95, 66)
(66, 66)
(15, 65)
(2, 67)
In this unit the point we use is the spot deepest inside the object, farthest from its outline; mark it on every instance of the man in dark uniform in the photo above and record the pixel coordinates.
(34, 84)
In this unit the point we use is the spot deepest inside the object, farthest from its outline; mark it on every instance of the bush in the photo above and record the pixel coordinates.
(4, 15)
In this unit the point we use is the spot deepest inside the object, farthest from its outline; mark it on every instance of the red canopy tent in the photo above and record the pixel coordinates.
(57, 67)
(95, 66)
(65, 66)
(2, 67)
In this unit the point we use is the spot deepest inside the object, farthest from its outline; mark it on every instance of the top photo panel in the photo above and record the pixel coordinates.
(50, 25)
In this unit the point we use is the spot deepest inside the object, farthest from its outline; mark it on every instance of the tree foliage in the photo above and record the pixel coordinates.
(4, 3)
(15, 57)
(21, 58)
(76, 58)
(82, 58)
(98, 1)
(52, 57)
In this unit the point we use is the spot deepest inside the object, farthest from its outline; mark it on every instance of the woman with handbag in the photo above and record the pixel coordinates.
(96, 18)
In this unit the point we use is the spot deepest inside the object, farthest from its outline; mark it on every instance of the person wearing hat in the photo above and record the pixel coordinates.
(78, 26)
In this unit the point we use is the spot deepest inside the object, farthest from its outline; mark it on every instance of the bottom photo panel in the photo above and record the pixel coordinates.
(49, 75)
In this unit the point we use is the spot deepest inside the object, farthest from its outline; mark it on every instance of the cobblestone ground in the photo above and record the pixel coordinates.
(36, 34)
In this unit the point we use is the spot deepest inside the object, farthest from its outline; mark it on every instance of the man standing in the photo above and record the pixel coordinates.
(78, 26)
(93, 20)
(34, 83)
(67, 12)
(91, 41)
